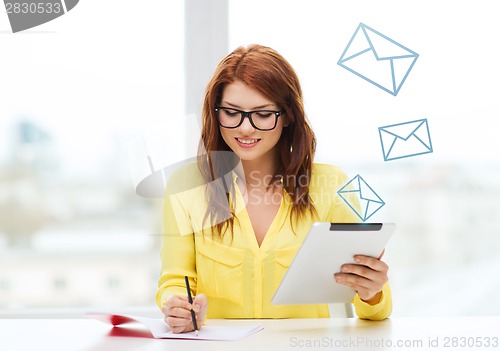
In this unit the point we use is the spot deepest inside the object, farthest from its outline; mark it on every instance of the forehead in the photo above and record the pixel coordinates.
(242, 95)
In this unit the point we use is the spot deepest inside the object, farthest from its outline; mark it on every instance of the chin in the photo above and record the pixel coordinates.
(246, 157)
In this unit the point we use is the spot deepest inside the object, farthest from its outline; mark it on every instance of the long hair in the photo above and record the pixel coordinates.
(265, 70)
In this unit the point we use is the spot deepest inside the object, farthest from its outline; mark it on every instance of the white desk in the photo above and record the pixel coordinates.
(290, 335)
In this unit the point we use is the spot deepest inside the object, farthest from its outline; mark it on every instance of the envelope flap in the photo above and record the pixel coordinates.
(357, 45)
(401, 68)
(366, 192)
(403, 130)
(351, 186)
(422, 133)
(384, 47)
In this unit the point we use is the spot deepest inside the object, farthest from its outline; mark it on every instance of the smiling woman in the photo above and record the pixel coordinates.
(256, 78)
(254, 138)
(237, 240)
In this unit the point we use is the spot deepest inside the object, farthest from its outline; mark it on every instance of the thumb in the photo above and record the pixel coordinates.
(199, 302)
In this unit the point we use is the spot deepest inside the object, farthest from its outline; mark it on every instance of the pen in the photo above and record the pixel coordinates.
(190, 298)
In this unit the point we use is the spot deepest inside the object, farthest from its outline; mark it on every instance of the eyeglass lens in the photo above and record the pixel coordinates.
(232, 118)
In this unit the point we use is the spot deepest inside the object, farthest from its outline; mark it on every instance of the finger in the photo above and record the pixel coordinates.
(357, 282)
(363, 292)
(365, 272)
(177, 330)
(372, 262)
(179, 312)
(178, 301)
(200, 303)
(179, 324)
(200, 306)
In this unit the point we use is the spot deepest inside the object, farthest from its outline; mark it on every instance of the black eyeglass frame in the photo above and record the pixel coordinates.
(249, 115)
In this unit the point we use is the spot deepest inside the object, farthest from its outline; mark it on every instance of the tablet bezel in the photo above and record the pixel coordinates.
(309, 279)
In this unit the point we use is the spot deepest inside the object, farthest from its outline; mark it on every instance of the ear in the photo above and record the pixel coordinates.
(286, 121)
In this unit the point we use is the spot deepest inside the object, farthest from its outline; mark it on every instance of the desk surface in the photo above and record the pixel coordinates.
(467, 333)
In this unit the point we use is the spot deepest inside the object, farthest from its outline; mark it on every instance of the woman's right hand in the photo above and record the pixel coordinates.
(177, 311)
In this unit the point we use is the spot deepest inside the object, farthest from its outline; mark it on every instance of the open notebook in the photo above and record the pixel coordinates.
(160, 330)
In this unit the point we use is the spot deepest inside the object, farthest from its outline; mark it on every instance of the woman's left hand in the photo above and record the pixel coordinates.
(367, 277)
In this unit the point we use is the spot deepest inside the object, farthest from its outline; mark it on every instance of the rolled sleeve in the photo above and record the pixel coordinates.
(379, 311)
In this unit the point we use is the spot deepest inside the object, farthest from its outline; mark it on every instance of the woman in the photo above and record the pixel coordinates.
(236, 233)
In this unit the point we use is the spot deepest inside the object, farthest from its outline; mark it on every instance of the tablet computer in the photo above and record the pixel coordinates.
(309, 279)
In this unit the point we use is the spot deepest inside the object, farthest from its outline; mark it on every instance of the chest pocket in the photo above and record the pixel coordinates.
(220, 270)
(284, 258)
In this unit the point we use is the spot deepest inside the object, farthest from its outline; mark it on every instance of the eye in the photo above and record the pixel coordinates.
(264, 114)
(230, 113)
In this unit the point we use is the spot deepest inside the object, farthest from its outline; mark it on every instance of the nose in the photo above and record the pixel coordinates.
(246, 126)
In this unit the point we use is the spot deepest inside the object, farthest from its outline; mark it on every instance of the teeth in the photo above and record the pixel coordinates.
(248, 141)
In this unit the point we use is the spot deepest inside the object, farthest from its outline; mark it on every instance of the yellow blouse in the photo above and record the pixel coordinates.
(239, 277)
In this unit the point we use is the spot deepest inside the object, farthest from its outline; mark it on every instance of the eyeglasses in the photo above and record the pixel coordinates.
(259, 119)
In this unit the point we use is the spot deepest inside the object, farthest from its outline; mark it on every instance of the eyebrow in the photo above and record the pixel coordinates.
(255, 108)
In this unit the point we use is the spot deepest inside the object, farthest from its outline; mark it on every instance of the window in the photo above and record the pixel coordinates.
(73, 232)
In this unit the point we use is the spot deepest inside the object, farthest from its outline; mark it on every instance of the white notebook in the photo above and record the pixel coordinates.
(160, 330)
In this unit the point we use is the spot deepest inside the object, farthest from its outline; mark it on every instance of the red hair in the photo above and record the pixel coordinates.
(265, 70)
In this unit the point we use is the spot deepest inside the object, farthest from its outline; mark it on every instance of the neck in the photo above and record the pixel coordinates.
(258, 173)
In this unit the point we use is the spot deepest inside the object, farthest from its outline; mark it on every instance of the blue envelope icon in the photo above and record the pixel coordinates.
(357, 193)
(405, 139)
(378, 59)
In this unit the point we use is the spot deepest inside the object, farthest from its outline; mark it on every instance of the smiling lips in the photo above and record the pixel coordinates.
(246, 143)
